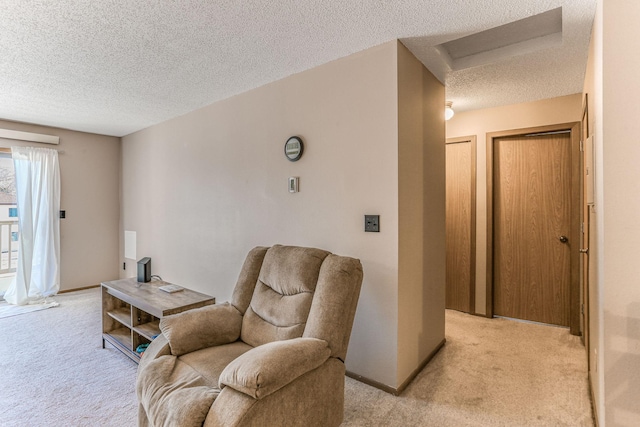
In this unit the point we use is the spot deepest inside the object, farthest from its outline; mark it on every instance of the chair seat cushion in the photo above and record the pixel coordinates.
(210, 362)
(180, 390)
(173, 394)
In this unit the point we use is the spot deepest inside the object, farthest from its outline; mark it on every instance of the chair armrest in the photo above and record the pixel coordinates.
(200, 328)
(158, 347)
(269, 367)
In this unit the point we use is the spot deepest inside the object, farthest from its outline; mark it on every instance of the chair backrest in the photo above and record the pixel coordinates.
(288, 292)
(334, 303)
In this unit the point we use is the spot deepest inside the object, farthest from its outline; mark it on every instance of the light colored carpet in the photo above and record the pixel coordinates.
(491, 372)
(54, 372)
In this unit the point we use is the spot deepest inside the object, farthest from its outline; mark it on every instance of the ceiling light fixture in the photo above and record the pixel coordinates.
(448, 111)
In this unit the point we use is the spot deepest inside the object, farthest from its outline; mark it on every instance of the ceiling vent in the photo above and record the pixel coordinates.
(527, 35)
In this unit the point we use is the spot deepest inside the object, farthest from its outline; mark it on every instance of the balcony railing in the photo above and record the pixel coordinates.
(9, 240)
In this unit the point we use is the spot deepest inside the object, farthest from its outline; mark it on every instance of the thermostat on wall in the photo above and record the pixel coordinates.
(293, 184)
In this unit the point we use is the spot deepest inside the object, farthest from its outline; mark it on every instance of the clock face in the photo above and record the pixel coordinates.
(293, 148)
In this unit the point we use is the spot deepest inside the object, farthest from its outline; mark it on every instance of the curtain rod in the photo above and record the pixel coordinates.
(8, 150)
(29, 136)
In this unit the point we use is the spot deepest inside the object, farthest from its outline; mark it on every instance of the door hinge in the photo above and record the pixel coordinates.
(581, 308)
(581, 146)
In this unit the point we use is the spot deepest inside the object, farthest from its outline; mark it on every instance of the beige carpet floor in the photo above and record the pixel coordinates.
(54, 372)
(491, 372)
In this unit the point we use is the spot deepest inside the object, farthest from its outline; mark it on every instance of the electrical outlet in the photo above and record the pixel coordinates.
(372, 223)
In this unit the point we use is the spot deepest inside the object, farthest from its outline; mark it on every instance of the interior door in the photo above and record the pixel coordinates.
(460, 224)
(531, 227)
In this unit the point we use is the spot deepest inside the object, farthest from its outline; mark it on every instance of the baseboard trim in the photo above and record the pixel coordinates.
(399, 390)
(78, 289)
(482, 315)
(372, 383)
(594, 410)
(421, 366)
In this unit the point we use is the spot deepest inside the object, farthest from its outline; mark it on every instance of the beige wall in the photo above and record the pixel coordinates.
(421, 261)
(203, 189)
(593, 92)
(614, 292)
(480, 122)
(89, 180)
(618, 207)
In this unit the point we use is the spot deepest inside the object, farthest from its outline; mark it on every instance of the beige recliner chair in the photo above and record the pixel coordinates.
(273, 356)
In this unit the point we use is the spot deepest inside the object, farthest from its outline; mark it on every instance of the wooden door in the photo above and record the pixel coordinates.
(532, 225)
(460, 224)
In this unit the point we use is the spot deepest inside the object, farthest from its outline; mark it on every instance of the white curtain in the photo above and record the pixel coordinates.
(38, 203)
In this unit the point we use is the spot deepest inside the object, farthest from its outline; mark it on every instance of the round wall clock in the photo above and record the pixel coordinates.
(293, 148)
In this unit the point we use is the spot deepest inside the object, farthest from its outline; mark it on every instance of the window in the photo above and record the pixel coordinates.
(9, 232)
(7, 183)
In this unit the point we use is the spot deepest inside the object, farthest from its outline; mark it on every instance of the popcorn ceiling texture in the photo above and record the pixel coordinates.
(115, 67)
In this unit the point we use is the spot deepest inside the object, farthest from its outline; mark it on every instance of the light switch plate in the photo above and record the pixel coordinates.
(372, 223)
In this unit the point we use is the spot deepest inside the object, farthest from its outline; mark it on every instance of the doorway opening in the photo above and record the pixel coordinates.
(460, 214)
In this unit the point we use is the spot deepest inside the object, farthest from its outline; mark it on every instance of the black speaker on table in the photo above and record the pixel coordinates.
(144, 270)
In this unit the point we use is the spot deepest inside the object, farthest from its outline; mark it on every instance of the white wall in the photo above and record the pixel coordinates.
(610, 86)
(89, 180)
(618, 210)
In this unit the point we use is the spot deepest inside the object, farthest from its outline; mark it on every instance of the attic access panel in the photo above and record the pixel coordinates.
(515, 38)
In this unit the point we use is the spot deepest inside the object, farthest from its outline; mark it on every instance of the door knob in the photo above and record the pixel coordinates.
(563, 239)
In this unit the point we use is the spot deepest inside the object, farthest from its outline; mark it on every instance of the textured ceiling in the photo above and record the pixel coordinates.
(115, 67)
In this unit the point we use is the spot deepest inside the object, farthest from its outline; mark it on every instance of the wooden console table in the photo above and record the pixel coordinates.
(131, 311)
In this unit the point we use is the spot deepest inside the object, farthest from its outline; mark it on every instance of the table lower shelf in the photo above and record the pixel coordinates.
(121, 340)
(148, 330)
(122, 315)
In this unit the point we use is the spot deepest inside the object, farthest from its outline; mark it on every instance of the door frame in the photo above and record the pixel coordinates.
(574, 235)
(472, 256)
(585, 220)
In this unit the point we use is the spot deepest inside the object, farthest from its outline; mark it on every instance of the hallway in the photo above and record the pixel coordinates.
(491, 372)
